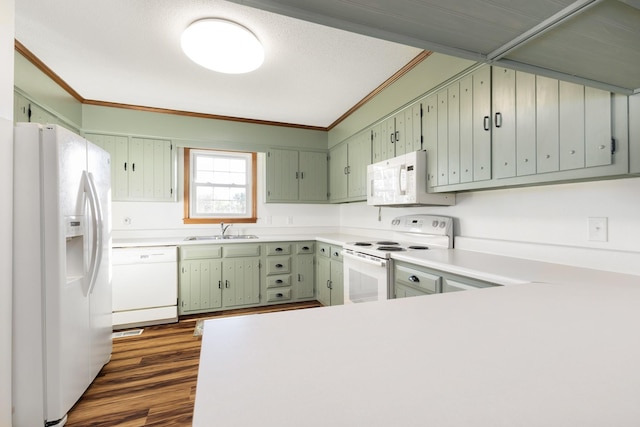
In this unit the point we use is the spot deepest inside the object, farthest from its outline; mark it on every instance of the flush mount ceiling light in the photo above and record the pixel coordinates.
(222, 46)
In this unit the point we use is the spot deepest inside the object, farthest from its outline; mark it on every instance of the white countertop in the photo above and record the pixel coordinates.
(564, 354)
(334, 238)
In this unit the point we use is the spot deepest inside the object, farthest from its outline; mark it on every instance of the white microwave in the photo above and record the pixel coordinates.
(402, 181)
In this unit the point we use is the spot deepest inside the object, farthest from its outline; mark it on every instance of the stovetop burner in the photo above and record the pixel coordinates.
(387, 243)
(362, 244)
(390, 248)
(419, 247)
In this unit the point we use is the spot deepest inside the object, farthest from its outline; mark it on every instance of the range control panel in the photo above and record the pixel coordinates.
(424, 224)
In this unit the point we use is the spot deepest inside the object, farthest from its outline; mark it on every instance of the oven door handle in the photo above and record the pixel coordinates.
(367, 260)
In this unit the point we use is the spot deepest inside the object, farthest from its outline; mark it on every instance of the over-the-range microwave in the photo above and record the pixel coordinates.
(402, 181)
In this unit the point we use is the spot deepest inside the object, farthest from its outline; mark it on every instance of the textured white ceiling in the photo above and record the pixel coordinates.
(128, 51)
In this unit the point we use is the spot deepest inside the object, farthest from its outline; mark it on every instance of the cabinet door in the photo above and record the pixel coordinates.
(337, 283)
(443, 138)
(525, 124)
(401, 134)
(453, 131)
(598, 127)
(312, 176)
(376, 145)
(571, 125)
(282, 175)
(200, 285)
(389, 138)
(359, 156)
(416, 133)
(430, 143)
(504, 122)
(157, 169)
(118, 149)
(466, 129)
(482, 124)
(134, 168)
(338, 172)
(304, 274)
(20, 108)
(241, 281)
(547, 125)
(323, 280)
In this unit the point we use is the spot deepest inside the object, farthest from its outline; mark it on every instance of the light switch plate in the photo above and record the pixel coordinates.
(598, 229)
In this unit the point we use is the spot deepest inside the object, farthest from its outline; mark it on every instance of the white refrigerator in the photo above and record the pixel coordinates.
(61, 278)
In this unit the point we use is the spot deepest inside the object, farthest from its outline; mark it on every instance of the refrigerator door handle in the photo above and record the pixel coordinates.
(97, 221)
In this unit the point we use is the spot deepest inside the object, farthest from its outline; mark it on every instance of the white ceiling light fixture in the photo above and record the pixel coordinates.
(222, 46)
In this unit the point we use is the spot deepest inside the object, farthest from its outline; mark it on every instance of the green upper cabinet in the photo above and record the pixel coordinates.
(496, 127)
(544, 125)
(456, 131)
(348, 163)
(296, 176)
(397, 135)
(142, 169)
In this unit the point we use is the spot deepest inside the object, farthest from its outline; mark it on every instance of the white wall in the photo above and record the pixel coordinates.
(7, 12)
(548, 223)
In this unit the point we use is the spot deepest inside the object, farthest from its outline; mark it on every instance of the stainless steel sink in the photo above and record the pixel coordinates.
(219, 237)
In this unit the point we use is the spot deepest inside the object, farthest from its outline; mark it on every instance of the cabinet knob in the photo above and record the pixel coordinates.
(414, 279)
(602, 147)
(572, 152)
(548, 156)
(278, 249)
(279, 295)
(279, 265)
(279, 281)
(305, 248)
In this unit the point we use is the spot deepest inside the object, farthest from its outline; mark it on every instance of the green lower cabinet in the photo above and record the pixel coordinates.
(411, 280)
(289, 272)
(200, 286)
(329, 275)
(218, 277)
(241, 278)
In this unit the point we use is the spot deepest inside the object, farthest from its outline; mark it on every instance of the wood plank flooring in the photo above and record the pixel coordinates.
(151, 378)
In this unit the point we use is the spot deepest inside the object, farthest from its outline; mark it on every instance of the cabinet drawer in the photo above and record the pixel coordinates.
(200, 252)
(324, 250)
(336, 253)
(279, 281)
(278, 295)
(278, 248)
(278, 265)
(240, 250)
(417, 279)
(305, 248)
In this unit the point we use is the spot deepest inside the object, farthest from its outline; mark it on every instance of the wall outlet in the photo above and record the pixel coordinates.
(598, 229)
(289, 220)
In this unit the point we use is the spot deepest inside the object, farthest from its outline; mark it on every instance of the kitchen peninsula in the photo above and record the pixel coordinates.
(534, 354)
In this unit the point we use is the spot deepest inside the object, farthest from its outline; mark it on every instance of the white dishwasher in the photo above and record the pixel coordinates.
(145, 286)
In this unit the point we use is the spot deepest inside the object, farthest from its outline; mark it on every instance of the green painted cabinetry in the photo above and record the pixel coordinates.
(348, 163)
(410, 280)
(289, 272)
(296, 176)
(214, 277)
(329, 275)
(142, 169)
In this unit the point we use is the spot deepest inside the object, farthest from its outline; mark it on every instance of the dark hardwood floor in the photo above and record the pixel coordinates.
(151, 378)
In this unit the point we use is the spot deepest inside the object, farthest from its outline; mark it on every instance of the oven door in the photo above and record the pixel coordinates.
(366, 278)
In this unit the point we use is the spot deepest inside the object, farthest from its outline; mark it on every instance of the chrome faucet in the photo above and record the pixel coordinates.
(223, 228)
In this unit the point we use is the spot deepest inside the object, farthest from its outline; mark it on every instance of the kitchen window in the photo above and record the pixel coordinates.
(219, 186)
